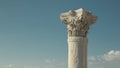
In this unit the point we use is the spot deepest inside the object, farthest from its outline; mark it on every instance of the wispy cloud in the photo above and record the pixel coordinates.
(112, 56)
(107, 57)
(10, 65)
(45, 63)
(54, 63)
(50, 60)
(7, 66)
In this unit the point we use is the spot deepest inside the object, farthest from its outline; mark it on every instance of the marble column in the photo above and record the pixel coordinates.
(78, 23)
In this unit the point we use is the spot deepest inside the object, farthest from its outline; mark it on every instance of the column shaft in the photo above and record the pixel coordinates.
(77, 52)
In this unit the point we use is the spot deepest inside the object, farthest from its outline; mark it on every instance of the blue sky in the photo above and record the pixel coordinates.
(33, 36)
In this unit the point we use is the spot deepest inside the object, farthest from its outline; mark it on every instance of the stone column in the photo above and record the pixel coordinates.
(78, 23)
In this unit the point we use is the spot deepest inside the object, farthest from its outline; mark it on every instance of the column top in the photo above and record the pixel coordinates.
(78, 21)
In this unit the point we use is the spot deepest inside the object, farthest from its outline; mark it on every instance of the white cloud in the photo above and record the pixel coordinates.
(10, 65)
(107, 57)
(55, 63)
(112, 56)
(92, 60)
(7, 65)
(50, 60)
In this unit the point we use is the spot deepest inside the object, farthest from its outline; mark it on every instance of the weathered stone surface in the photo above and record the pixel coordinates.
(77, 52)
(78, 23)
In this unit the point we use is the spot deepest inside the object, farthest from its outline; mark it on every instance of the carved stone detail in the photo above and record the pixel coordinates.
(78, 22)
